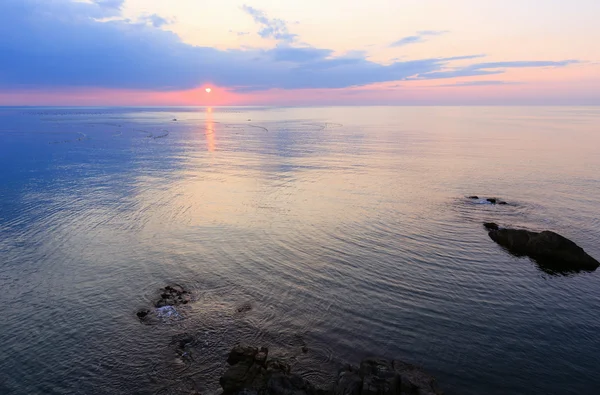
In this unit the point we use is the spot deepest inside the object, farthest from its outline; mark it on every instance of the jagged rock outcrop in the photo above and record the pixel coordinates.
(250, 372)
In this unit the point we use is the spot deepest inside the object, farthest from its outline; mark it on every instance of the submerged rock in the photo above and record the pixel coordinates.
(248, 375)
(378, 377)
(142, 314)
(164, 309)
(547, 248)
(250, 372)
(185, 344)
(173, 295)
(348, 381)
(244, 308)
(241, 353)
(414, 380)
(487, 200)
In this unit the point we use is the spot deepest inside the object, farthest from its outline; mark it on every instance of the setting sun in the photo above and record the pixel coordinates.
(208, 90)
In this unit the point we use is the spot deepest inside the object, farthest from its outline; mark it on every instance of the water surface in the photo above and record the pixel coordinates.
(344, 228)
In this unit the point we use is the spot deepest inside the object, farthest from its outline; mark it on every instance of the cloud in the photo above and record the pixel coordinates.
(61, 43)
(491, 68)
(271, 28)
(524, 64)
(298, 55)
(418, 38)
(155, 20)
(110, 4)
(239, 33)
(481, 83)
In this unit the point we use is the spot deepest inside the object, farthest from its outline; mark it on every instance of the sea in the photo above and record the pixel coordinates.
(328, 234)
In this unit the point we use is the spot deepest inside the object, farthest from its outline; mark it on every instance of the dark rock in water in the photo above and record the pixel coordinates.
(250, 372)
(174, 119)
(173, 295)
(278, 366)
(378, 377)
(244, 308)
(489, 200)
(241, 353)
(348, 381)
(236, 378)
(491, 226)
(280, 383)
(142, 314)
(304, 349)
(183, 341)
(414, 380)
(261, 356)
(184, 346)
(547, 248)
(248, 375)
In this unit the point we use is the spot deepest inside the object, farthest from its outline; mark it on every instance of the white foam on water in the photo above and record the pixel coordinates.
(167, 313)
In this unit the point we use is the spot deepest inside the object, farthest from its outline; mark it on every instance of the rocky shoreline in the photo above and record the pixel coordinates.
(251, 372)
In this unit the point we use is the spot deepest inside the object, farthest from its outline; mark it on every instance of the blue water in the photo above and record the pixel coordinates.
(344, 228)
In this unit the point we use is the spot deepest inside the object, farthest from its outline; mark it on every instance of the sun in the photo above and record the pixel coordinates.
(208, 90)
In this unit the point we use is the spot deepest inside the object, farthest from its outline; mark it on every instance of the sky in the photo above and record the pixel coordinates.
(310, 52)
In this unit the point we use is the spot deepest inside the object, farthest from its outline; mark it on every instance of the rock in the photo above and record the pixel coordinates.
(183, 341)
(172, 295)
(174, 119)
(502, 203)
(547, 248)
(250, 375)
(244, 308)
(491, 226)
(261, 356)
(492, 200)
(236, 378)
(142, 314)
(242, 353)
(378, 377)
(348, 381)
(284, 384)
(414, 380)
(473, 197)
(277, 365)
(304, 349)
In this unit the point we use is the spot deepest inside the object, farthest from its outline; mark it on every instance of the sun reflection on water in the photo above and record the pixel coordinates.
(209, 130)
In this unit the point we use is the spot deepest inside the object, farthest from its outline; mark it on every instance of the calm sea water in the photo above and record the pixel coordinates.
(345, 229)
